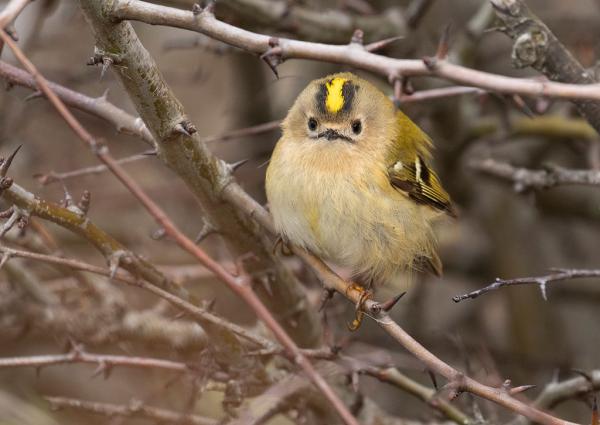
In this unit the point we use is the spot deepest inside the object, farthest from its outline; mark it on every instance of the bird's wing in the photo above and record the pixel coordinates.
(414, 177)
(408, 170)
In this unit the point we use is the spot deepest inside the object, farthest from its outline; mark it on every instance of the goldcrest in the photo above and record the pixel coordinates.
(350, 181)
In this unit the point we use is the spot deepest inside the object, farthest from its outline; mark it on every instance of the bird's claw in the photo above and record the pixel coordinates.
(365, 294)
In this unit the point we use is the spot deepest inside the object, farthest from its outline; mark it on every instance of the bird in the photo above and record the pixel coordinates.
(350, 181)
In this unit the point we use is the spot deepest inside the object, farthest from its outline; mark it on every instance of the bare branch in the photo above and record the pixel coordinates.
(541, 281)
(345, 54)
(11, 11)
(525, 179)
(135, 409)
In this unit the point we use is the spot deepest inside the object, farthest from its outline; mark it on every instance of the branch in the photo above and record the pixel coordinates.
(11, 11)
(135, 409)
(104, 362)
(557, 392)
(204, 174)
(541, 281)
(98, 106)
(326, 26)
(330, 280)
(525, 179)
(536, 46)
(240, 284)
(352, 54)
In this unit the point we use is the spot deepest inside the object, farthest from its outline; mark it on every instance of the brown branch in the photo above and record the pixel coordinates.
(201, 314)
(11, 11)
(325, 26)
(556, 392)
(430, 396)
(541, 281)
(525, 179)
(183, 151)
(53, 176)
(241, 285)
(135, 409)
(351, 54)
(98, 106)
(536, 46)
(104, 362)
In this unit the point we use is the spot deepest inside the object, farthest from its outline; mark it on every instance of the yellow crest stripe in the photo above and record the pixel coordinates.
(335, 99)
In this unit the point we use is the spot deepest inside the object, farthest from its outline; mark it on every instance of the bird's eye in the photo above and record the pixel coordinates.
(312, 124)
(356, 126)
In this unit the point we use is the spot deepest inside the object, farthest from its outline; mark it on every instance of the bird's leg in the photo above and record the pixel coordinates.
(282, 245)
(365, 294)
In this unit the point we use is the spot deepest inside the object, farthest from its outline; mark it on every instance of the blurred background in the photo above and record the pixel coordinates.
(507, 334)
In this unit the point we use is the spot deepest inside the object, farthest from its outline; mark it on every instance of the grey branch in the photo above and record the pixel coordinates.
(541, 281)
(352, 54)
(536, 46)
(525, 179)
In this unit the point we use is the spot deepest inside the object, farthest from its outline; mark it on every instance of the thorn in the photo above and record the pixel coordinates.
(84, 201)
(584, 374)
(235, 165)
(106, 63)
(433, 379)
(5, 164)
(523, 107)
(210, 7)
(68, 198)
(114, 262)
(520, 389)
(5, 257)
(444, 44)
(207, 229)
(595, 417)
(12, 32)
(357, 37)
(326, 295)
(196, 9)
(36, 94)
(210, 305)
(274, 56)
(104, 96)
(389, 304)
(158, 234)
(543, 290)
(179, 128)
(430, 62)
(379, 45)
(151, 152)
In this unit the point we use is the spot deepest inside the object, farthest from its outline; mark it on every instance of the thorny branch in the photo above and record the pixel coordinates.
(541, 281)
(241, 284)
(351, 54)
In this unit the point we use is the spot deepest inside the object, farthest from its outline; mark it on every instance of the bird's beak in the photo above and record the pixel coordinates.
(331, 134)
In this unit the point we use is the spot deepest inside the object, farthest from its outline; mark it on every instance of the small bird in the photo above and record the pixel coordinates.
(349, 180)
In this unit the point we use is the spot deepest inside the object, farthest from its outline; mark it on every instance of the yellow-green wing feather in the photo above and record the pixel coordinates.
(408, 170)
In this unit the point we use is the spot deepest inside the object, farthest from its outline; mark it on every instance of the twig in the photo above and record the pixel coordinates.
(345, 54)
(542, 281)
(134, 409)
(556, 392)
(98, 106)
(104, 362)
(525, 179)
(11, 11)
(53, 177)
(245, 132)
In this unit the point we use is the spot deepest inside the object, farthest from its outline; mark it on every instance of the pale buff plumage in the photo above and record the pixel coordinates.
(335, 198)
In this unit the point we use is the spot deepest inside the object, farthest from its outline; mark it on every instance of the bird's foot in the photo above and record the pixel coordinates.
(365, 294)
